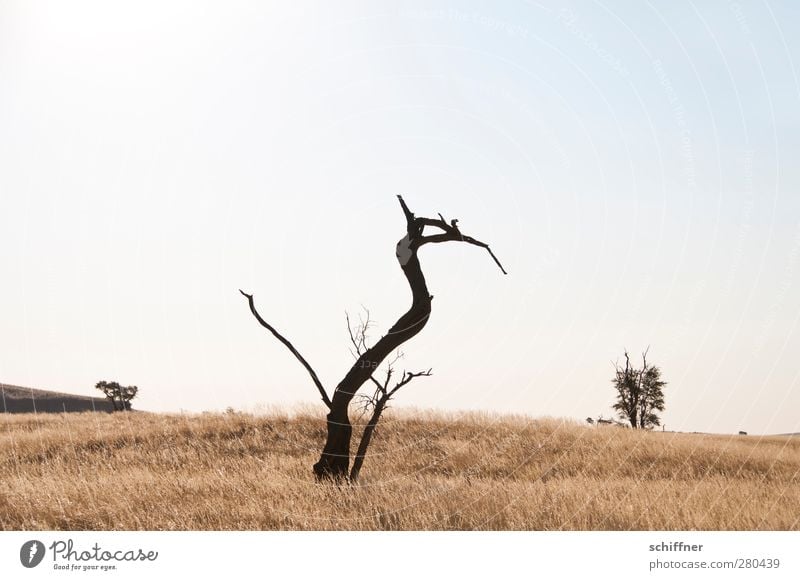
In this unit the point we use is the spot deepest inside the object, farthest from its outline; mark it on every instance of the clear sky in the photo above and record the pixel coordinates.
(633, 164)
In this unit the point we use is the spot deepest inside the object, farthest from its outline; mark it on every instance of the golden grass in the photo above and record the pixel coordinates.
(425, 471)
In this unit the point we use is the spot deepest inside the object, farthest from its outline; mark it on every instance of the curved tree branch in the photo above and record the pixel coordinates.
(335, 457)
(288, 345)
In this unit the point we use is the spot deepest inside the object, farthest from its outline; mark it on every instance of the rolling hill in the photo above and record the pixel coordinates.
(15, 399)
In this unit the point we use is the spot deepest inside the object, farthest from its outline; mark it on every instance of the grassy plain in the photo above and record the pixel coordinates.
(425, 471)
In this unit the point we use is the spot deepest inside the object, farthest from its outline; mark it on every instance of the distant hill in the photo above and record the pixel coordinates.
(15, 399)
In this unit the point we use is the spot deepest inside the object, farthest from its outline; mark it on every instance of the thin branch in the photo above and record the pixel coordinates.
(288, 345)
(352, 337)
(496, 261)
(358, 338)
(456, 236)
(377, 383)
(400, 354)
(385, 386)
(407, 378)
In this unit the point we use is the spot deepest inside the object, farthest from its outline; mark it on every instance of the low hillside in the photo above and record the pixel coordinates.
(25, 400)
(426, 471)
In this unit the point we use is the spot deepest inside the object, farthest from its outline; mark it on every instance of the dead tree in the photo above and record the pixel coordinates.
(334, 462)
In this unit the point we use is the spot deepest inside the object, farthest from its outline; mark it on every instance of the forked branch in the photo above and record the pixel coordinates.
(451, 233)
(382, 396)
(407, 378)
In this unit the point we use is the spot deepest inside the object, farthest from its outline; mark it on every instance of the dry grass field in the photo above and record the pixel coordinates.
(426, 471)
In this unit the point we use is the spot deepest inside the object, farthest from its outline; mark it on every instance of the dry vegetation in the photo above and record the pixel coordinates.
(426, 471)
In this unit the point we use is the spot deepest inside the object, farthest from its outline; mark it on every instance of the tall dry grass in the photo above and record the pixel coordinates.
(425, 471)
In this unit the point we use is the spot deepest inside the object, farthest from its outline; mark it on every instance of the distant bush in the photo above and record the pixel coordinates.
(119, 396)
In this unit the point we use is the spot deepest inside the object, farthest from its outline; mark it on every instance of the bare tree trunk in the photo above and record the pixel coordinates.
(335, 459)
(366, 437)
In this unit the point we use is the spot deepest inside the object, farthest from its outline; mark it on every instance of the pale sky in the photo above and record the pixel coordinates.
(633, 165)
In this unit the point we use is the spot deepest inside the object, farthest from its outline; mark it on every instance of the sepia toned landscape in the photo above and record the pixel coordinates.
(426, 470)
(419, 266)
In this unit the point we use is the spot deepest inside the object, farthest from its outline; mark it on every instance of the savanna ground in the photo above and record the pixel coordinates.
(133, 471)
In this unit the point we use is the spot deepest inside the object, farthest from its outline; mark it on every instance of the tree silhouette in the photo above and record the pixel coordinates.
(119, 396)
(334, 462)
(640, 393)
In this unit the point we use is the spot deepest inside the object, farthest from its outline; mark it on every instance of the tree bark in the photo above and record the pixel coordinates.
(335, 459)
